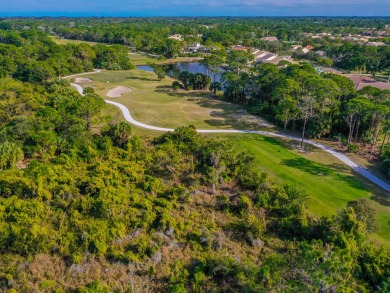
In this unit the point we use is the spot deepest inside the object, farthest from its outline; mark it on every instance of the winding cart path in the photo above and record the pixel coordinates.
(347, 161)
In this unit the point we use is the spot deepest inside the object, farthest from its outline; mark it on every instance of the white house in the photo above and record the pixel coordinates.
(176, 37)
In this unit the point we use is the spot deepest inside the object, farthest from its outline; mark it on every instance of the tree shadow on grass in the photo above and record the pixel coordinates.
(270, 140)
(307, 166)
(382, 200)
(163, 89)
(141, 78)
(315, 169)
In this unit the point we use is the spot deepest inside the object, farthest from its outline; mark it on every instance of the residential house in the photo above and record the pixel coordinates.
(194, 48)
(268, 57)
(363, 81)
(269, 39)
(296, 47)
(264, 56)
(375, 44)
(239, 48)
(321, 53)
(176, 37)
(307, 49)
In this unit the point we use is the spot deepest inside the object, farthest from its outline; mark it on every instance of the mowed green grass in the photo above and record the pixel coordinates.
(60, 41)
(141, 59)
(329, 183)
(155, 103)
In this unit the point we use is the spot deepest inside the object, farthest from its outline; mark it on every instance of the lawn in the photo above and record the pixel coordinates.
(141, 59)
(60, 41)
(155, 103)
(329, 183)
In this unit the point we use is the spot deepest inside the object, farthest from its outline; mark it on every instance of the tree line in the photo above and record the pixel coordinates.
(320, 105)
(32, 56)
(151, 34)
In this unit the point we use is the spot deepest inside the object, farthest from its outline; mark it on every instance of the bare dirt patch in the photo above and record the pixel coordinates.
(118, 91)
(82, 80)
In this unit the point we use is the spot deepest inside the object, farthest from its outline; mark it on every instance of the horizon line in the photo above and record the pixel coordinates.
(190, 16)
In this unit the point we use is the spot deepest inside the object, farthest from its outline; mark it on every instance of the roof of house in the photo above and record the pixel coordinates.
(363, 81)
(375, 44)
(330, 70)
(269, 39)
(176, 37)
(239, 48)
(195, 45)
(260, 54)
(321, 53)
(269, 56)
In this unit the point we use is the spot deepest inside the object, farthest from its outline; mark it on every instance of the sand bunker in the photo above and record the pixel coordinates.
(118, 91)
(82, 80)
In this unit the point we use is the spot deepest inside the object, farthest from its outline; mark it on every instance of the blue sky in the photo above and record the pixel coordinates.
(195, 7)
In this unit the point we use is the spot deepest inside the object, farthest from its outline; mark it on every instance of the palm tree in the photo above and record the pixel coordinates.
(215, 86)
(185, 78)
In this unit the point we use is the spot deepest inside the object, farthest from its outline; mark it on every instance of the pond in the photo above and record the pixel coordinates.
(193, 67)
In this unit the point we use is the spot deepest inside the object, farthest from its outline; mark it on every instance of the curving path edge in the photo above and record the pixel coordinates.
(359, 169)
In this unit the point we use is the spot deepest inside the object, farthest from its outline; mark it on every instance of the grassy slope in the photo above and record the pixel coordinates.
(60, 41)
(141, 59)
(329, 183)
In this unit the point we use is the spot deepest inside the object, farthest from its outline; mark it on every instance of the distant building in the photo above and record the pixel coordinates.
(368, 33)
(193, 48)
(270, 39)
(296, 47)
(307, 49)
(321, 53)
(208, 26)
(239, 48)
(41, 28)
(195, 36)
(361, 82)
(328, 70)
(383, 34)
(268, 57)
(375, 44)
(176, 37)
(264, 56)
